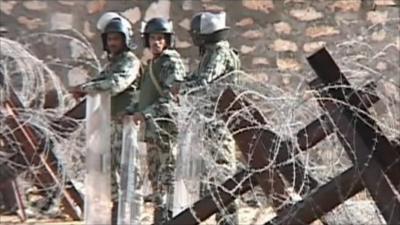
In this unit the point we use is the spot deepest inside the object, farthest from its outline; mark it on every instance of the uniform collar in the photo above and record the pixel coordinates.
(223, 44)
(119, 56)
(166, 52)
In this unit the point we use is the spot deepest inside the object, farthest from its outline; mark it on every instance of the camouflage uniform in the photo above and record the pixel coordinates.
(218, 59)
(158, 106)
(117, 78)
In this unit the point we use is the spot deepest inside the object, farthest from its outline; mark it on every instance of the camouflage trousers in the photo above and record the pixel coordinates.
(161, 168)
(116, 150)
(220, 165)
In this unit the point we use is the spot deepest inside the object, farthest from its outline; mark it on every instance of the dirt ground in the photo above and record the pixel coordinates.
(247, 215)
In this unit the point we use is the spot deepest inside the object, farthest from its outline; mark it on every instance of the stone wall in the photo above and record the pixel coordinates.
(272, 35)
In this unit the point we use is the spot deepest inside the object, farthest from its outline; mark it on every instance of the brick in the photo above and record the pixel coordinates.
(245, 49)
(7, 7)
(385, 2)
(282, 28)
(185, 24)
(187, 5)
(30, 23)
(293, 1)
(313, 46)
(307, 14)
(213, 8)
(158, 9)
(377, 17)
(320, 31)
(245, 22)
(263, 6)
(280, 45)
(252, 34)
(288, 64)
(95, 6)
(346, 5)
(66, 2)
(133, 14)
(35, 5)
(61, 21)
(259, 61)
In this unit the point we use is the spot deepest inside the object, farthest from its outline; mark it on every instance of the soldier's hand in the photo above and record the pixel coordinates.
(138, 118)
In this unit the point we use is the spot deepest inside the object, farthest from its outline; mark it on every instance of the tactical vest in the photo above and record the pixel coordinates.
(149, 93)
(120, 101)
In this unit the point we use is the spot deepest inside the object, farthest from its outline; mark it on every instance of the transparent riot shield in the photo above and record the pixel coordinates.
(188, 166)
(98, 159)
(130, 192)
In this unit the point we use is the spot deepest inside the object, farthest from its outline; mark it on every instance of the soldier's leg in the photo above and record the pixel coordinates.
(116, 146)
(161, 164)
(223, 166)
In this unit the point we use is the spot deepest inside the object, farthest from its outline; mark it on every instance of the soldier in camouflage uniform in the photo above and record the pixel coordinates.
(158, 86)
(209, 33)
(117, 78)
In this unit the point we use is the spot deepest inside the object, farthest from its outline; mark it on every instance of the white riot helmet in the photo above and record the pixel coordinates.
(207, 27)
(113, 22)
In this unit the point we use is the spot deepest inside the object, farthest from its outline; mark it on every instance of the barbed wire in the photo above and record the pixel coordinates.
(285, 111)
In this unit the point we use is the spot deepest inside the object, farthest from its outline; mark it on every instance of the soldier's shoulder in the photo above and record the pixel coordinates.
(171, 54)
(130, 56)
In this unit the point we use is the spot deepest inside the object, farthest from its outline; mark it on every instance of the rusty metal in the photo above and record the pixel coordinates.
(321, 200)
(31, 153)
(326, 68)
(293, 172)
(255, 143)
(67, 123)
(239, 184)
(322, 127)
(359, 135)
(31, 146)
(18, 199)
(12, 198)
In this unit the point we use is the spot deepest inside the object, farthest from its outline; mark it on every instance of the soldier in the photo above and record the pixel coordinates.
(209, 32)
(158, 87)
(117, 78)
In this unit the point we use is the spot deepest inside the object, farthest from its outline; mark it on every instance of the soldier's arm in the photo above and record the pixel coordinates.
(131, 108)
(213, 67)
(173, 72)
(114, 81)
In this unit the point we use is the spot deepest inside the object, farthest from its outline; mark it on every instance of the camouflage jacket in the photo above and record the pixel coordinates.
(168, 70)
(217, 60)
(117, 78)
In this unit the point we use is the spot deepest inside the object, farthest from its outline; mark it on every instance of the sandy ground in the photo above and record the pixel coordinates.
(247, 215)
